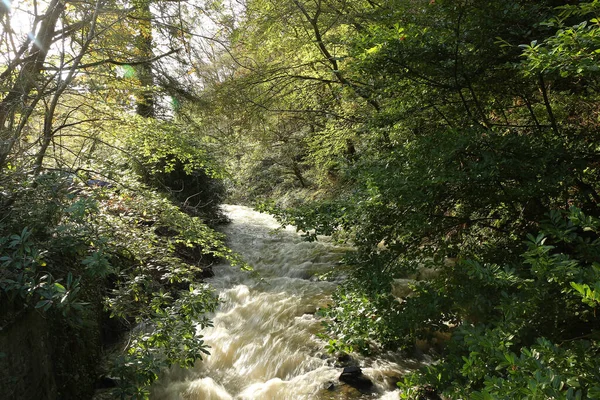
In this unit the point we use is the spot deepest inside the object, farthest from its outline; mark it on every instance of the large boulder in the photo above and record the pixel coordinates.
(354, 377)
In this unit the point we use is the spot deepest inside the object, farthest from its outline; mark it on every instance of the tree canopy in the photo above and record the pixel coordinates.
(453, 143)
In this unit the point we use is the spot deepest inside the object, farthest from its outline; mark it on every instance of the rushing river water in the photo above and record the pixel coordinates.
(263, 343)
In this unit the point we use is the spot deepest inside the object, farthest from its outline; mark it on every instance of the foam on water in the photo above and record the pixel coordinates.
(263, 342)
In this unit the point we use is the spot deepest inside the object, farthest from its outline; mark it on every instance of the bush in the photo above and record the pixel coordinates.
(67, 248)
(539, 337)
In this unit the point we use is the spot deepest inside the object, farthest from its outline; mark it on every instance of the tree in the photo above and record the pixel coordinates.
(482, 132)
(22, 75)
(79, 229)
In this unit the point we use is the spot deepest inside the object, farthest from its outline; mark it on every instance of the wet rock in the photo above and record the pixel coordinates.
(391, 379)
(310, 310)
(354, 377)
(330, 386)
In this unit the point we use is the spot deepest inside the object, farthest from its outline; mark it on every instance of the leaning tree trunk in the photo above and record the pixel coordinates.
(29, 74)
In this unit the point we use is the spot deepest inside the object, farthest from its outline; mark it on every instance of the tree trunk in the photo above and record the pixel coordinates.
(25, 83)
(145, 99)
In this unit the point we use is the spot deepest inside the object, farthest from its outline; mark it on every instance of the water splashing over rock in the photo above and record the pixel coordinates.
(263, 343)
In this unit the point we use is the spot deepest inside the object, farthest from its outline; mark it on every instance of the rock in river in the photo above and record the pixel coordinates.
(354, 377)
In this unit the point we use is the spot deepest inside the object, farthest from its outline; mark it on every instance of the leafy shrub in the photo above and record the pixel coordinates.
(80, 246)
(539, 337)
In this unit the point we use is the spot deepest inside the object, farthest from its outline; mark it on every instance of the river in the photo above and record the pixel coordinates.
(263, 343)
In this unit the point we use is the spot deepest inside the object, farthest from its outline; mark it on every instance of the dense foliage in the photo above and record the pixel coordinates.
(106, 193)
(455, 144)
(78, 249)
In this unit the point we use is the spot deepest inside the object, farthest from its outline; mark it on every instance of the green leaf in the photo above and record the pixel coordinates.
(59, 288)
(43, 303)
(579, 287)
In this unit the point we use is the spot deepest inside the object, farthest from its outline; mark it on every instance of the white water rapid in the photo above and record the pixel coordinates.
(263, 344)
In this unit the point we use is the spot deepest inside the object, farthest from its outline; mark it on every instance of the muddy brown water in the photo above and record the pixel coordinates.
(264, 342)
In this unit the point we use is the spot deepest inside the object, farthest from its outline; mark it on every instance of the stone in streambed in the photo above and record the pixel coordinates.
(354, 377)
